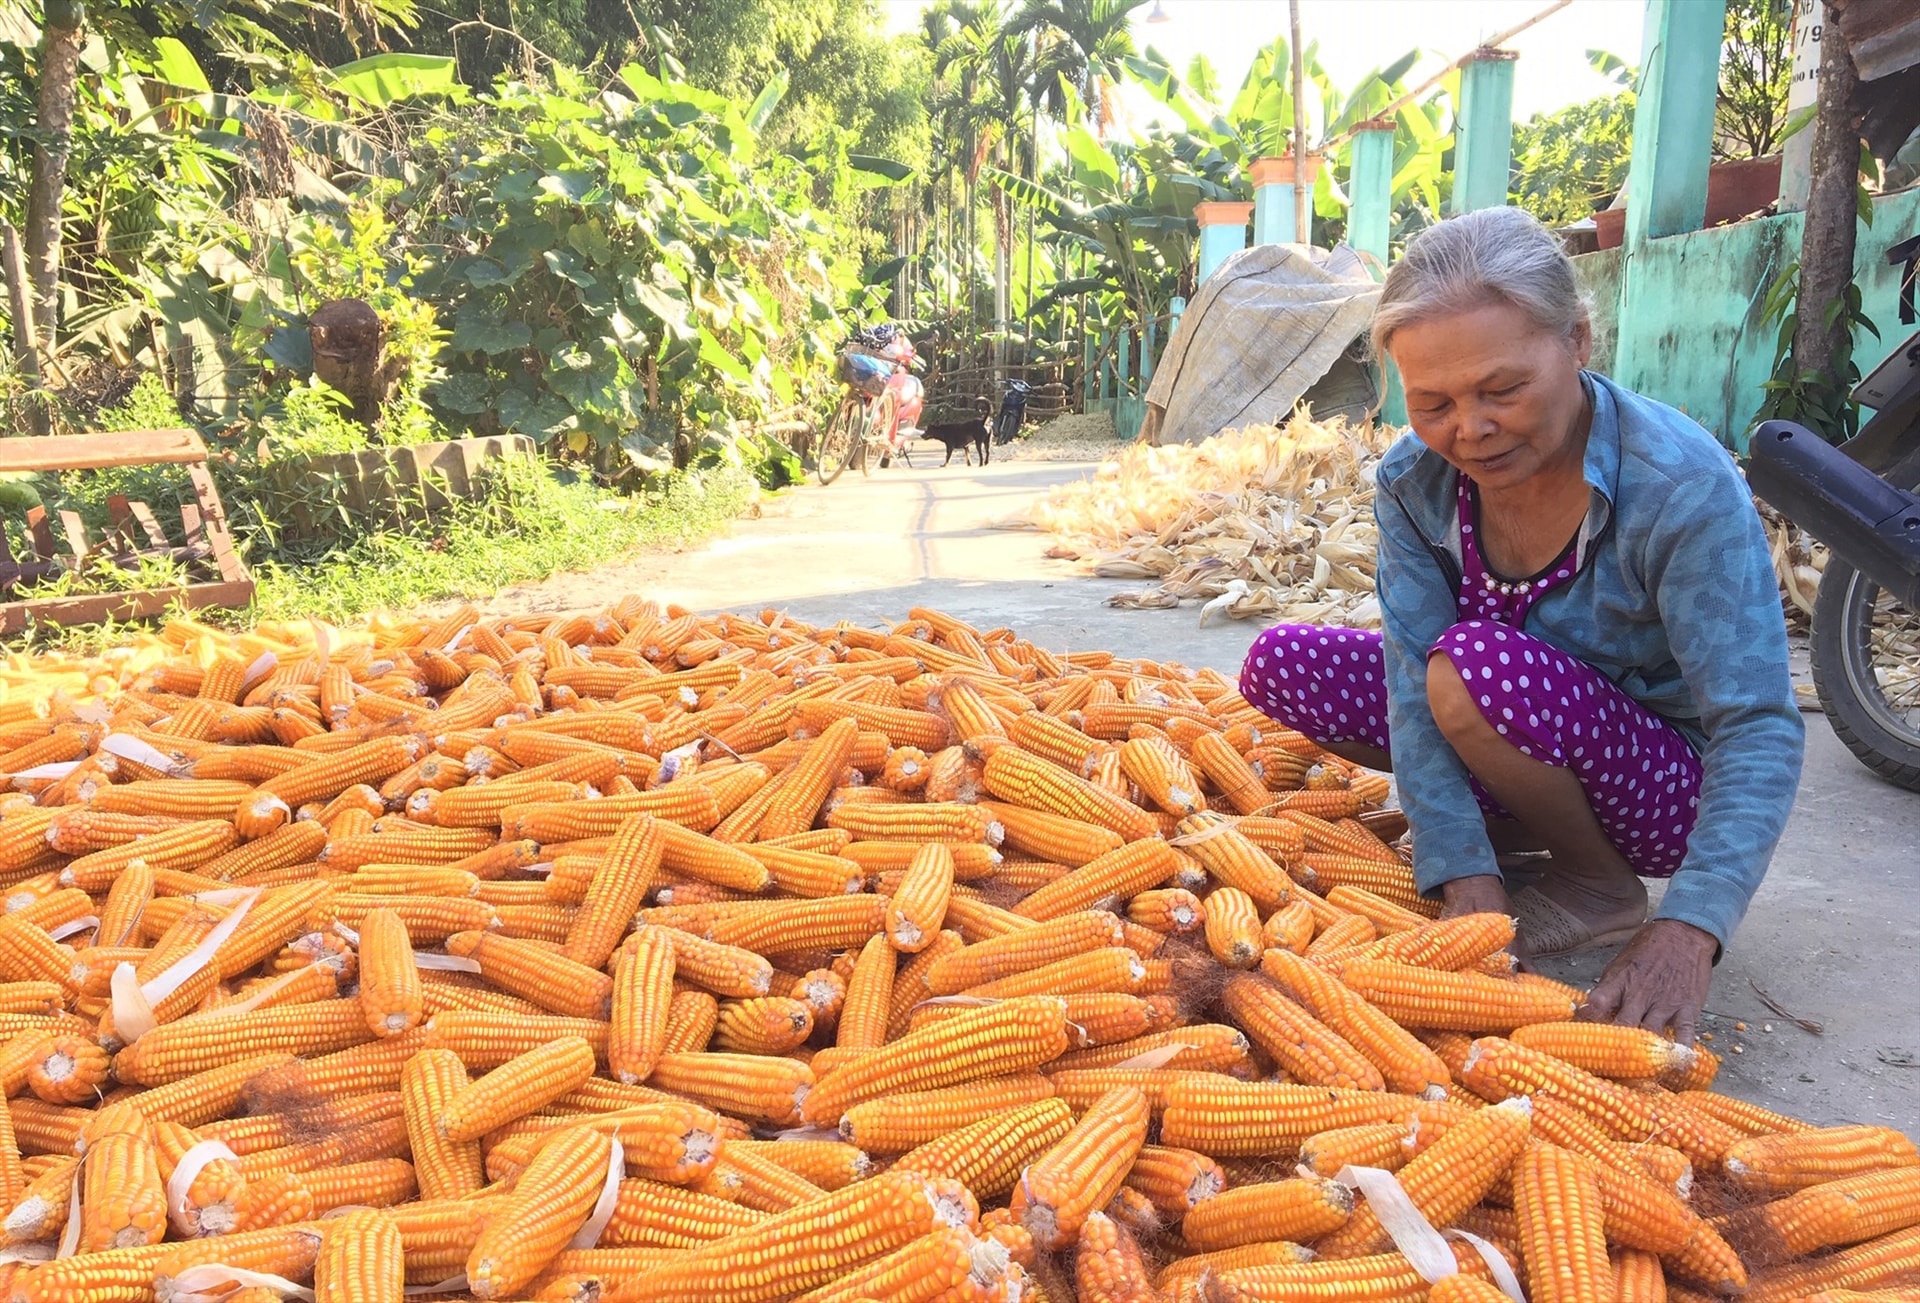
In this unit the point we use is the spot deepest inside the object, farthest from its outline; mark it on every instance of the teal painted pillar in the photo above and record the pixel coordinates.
(1369, 227)
(1667, 177)
(1483, 144)
(1223, 233)
(1175, 308)
(1673, 118)
(1370, 189)
(1273, 183)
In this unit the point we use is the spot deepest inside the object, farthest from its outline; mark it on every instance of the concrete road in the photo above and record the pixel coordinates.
(1834, 936)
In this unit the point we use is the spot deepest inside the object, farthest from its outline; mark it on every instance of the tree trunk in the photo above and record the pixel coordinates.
(1002, 278)
(59, 73)
(1826, 246)
(26, 357)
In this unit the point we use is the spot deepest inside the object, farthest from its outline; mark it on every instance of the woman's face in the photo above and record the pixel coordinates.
(1492, 392)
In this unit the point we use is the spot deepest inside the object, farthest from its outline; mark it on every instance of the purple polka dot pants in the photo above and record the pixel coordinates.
(1640, 775)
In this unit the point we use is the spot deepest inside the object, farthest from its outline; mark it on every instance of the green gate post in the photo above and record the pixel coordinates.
(1370, 188)
(1223, 233)
(1672, 148)
(1483, 152)
(1273, 183)
(1673, 118)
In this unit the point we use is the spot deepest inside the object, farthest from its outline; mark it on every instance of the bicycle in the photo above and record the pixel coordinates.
(882, 400)
(858, 424)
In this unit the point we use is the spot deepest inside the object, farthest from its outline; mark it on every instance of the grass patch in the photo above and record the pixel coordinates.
(534, 526)
(539, 529)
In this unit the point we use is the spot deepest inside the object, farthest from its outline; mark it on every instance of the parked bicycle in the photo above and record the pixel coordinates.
(881, 408)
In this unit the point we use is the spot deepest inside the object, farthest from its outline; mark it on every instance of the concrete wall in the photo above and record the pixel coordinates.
(1697, 298)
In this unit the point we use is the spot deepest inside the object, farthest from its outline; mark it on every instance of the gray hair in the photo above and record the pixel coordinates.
(1492, 255)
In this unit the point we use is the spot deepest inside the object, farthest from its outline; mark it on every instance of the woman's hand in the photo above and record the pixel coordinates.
(1658, 981)
(1483, 893)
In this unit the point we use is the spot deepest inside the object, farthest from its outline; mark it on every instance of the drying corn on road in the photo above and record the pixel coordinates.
(652, 955)
(1834, 934)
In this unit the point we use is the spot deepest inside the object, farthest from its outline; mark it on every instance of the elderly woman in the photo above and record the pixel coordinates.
(1582, 646)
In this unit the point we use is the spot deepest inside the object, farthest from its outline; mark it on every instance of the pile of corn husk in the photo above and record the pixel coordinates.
(1799, 559)
(1267, 521)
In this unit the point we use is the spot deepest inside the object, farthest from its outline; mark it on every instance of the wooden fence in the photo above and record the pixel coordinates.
(953, 394)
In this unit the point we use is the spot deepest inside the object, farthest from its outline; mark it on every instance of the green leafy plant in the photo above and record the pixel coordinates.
(309, 421)
(1571, 163)
(1819, 401)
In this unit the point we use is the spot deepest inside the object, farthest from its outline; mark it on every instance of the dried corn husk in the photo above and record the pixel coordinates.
(1267, 521)
(1799, 559)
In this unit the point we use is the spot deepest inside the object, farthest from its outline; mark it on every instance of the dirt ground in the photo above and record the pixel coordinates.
(1834, 936)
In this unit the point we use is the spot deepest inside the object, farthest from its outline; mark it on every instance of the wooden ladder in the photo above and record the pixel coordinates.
(218, 576)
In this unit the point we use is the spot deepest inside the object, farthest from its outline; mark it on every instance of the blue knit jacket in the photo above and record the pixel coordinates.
(1675, 602)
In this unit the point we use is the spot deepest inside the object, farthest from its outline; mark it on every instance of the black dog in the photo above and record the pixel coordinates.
(964, 436)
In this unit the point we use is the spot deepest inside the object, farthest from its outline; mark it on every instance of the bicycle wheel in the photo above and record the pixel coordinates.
(874, 440)
(845, 432)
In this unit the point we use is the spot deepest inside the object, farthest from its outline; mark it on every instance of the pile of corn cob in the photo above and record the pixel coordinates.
(647, 956)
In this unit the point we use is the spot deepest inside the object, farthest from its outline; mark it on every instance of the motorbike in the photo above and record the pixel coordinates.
(880, 410)
(1859, 498)
(1012, 413)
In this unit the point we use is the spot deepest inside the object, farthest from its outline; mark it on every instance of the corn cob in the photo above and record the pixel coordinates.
(1175, 1180)
(1500, 1065)
(516, 1088)
(1083, 1170)
(445, 1168)
(1013, 1036)
(1747, 1118)
(1231, 857)
(762, 1088)
(814, 1243)
(390, 986)
(1403, 1062)
(1420, 997)
(361, 1260)
(553, 1197)
(553, 981)
(1622, 1053)
(1233, 928)
(1564, 1243)
(1117, 875)
(764, 1024)
(1782, 1164)
(1373, 1144)
(1226, 1118)
(1448, 1178)
(1297, 1210)
(914, 912)
(988, 1156)
(122, 1203)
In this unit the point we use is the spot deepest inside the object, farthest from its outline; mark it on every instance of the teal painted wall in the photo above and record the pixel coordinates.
(1695, 326)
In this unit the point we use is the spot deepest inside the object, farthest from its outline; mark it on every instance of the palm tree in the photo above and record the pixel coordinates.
(1081, 43)
(972, 74)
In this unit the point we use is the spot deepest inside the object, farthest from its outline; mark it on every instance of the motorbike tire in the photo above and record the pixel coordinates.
(1005, 428)
(841, 439)
(1843, 676)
